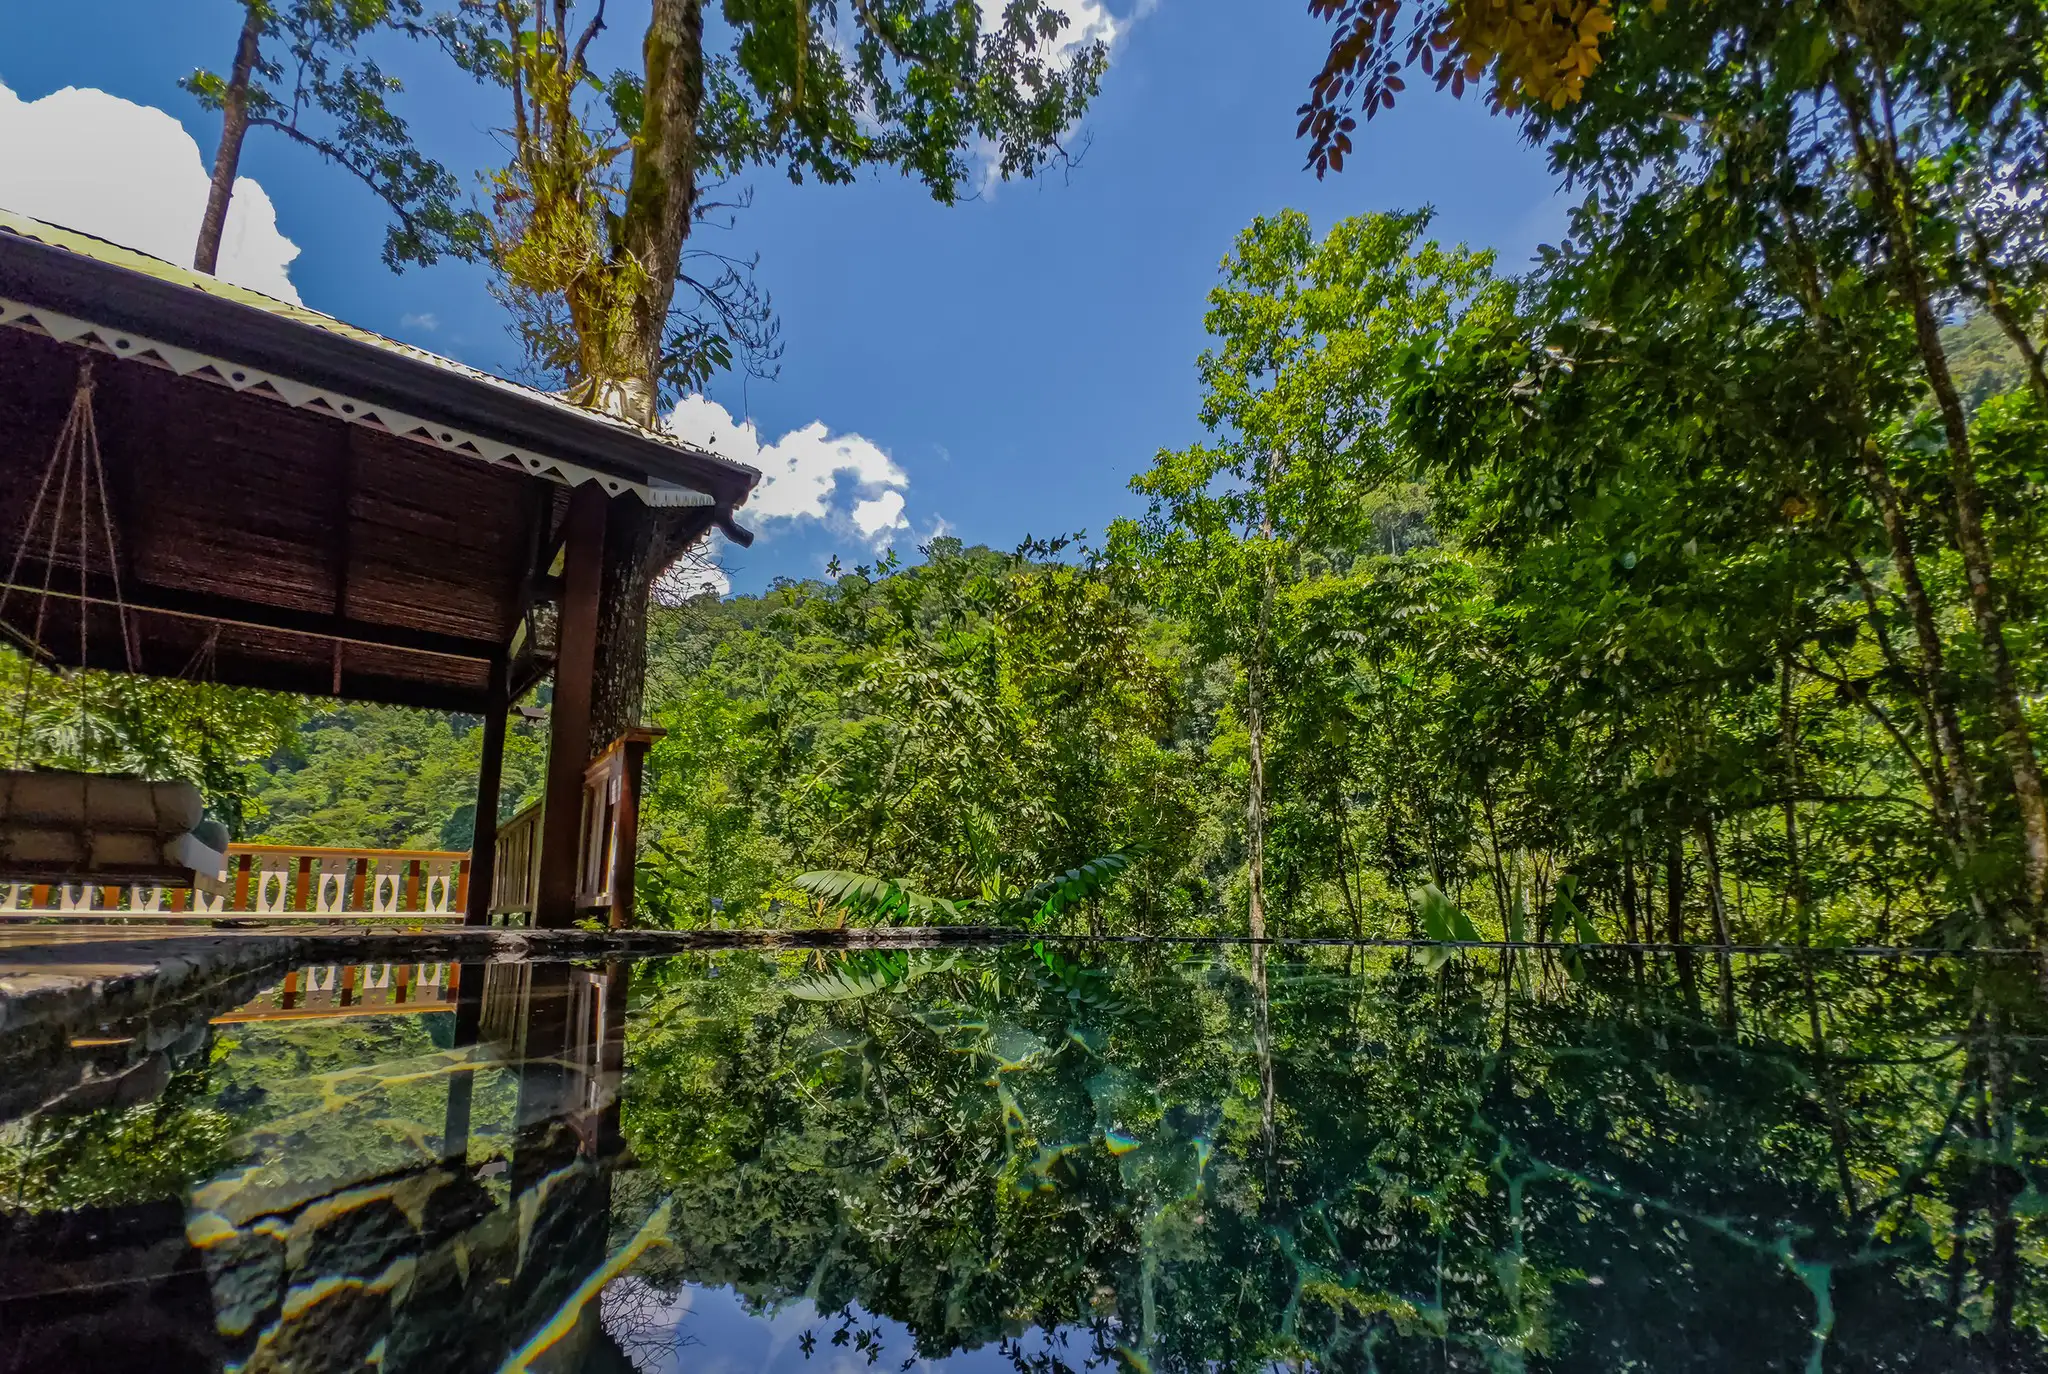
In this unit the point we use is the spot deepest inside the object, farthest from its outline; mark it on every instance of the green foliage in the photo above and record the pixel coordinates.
(608, 173)
(1442, 918)
(877, 901)
(881, 901)
(966, 726)
(1045, 901)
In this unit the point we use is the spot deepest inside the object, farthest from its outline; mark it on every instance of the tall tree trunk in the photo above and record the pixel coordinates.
(1955, 792)
(234, 127)
(1255, 791)
(1717, 899)
(1674, 911)
(1674, 888)
(1937, 688)
(1255, 728)
(661, 193)
(1795, 863)
(1878, 159)
(661, 197)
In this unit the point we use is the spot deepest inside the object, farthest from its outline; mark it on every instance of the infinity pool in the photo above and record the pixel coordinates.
(1045, 1158)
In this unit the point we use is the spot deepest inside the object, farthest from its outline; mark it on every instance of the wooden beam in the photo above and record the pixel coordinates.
(483, 844)
(343, 548)
(526, 673)
(569, 720)
(257, 615)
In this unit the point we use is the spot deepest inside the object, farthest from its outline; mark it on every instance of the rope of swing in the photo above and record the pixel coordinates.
(75, 457)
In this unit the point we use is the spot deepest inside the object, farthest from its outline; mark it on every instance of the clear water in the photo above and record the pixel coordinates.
(1042, 1159)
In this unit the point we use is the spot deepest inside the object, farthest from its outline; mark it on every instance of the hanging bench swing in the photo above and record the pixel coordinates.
(58, 826)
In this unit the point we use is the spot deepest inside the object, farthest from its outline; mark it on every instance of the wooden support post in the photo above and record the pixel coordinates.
(468, 993)
(303, 884)
(480, 883)
(569, 721)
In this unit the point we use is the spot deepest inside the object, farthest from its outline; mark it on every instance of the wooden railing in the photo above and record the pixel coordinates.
(606, 845)
(516, 884)
(274, 882)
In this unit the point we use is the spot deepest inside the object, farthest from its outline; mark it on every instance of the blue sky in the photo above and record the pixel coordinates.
(1003, 366)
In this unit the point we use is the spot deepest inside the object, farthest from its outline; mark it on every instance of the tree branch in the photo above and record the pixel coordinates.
(341, 159)
(590, 31)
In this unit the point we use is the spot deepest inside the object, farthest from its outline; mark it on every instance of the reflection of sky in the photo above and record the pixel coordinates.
(710, 1331)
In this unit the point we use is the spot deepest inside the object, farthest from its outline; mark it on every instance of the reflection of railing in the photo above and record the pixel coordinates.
(343, 990)
(275, 882)
(517, 882)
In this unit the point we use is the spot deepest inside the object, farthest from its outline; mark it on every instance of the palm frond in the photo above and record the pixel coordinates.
(865, 897)
(1046, 900)
(867, 973)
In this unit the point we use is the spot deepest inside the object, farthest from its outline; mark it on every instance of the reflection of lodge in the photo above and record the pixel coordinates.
(452, 1262)
(564, 1027)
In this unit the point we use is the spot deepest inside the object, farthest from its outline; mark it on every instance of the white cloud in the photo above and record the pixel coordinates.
(884, 512)
(105, 166)
(805, 475)
(428, 321)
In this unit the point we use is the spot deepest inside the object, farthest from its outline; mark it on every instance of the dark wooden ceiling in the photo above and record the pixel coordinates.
(266, 546)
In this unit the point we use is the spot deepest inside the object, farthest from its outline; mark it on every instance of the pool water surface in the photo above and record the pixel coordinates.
(1045, 1157)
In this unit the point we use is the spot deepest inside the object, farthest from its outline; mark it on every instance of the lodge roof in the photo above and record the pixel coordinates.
(46, 268)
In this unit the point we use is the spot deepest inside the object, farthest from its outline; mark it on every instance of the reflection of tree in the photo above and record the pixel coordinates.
(1198, 1160)
(121, 1154)
(640, 1319)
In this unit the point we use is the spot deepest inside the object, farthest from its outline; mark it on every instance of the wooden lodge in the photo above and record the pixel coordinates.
(290, 503)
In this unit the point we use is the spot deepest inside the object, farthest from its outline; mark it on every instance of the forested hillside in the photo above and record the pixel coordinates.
(381, 777)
